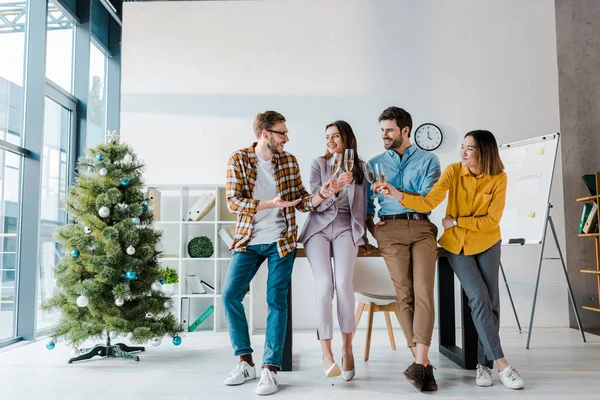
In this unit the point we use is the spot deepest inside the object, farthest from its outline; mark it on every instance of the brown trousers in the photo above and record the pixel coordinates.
(409, 249)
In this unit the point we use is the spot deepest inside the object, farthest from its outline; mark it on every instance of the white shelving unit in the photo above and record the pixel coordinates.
(175, 202)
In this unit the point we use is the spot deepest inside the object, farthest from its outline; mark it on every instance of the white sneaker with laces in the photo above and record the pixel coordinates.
(510, 378)
(484, 376)
(241, 373)
(268, 383)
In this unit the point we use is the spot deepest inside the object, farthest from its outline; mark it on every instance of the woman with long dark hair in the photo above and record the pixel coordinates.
(476, 189)
(336, 229)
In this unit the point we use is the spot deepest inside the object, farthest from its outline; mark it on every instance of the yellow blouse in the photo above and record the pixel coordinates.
(476, 202)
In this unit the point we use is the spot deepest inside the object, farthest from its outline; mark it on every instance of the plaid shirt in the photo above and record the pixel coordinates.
(241, 178)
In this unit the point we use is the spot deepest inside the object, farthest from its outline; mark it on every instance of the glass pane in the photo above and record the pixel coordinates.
(12, 62)
(12, 65)
(57, 128)
(96, 121)
(10, 180)
(59, 48)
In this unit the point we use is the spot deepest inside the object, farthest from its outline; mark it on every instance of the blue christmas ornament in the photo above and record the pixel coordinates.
(124, 182)
(176, 340)
(50, 345)
(162, 281)
(100, 157)
(145, 207)
(75, 253)
(135, 221)
(130, 275)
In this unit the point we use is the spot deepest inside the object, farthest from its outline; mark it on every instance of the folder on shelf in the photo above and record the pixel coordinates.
(207, 285)
(590, 182)
(185, 312)
(227, 235)
(154, 203)
(193, 285)
(201, 318)
(587, 207)
(201, 207)
(592, 219)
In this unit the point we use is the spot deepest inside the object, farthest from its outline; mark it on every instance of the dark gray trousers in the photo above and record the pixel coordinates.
(478, 275)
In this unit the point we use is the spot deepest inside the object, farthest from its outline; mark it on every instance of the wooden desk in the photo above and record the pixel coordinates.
(465, 356)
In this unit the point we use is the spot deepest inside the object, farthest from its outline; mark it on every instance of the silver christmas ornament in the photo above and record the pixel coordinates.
(113, 334)
(104, 212)
(159, 247)
(82, 301)
(103, 172)
(87, 229)
(166, 304)
(119, 301)
(155, 341)
(128, 158)
(156, 286)
(131, 250)
(149, 315)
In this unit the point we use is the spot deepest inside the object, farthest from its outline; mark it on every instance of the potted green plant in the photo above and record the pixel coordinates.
(171, 278)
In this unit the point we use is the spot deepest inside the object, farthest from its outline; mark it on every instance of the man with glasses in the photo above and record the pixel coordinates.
(264, 188)
(407, 239)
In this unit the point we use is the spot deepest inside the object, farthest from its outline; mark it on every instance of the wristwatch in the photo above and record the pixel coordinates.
(454, 222)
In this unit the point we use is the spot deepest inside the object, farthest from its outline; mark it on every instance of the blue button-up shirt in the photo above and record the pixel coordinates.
(417, 171)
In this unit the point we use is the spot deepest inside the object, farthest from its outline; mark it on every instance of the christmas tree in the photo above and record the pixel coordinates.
(110, 276)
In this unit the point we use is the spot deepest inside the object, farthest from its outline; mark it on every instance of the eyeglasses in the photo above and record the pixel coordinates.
(284, 134)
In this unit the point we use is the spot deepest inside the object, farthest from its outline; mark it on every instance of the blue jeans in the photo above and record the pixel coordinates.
(242, 268)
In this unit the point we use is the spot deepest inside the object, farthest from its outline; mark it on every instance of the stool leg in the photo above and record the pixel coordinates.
(369, 330)
(388, 322)
(359, 310)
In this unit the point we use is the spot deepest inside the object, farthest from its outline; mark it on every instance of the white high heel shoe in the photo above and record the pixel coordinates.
(333, 371)
(348, 375)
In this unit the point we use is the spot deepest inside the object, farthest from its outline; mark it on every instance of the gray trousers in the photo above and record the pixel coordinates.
(478, 275)
(335, 240)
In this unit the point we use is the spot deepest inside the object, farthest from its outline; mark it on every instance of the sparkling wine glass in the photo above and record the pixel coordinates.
(380, 175)
(369, 175)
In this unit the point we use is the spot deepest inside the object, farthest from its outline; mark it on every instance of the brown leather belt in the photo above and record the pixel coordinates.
(409, 215)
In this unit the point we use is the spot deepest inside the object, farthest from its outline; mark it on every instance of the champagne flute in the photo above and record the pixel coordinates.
(369, 175)
(335, 164)
(379, 171)
(348, 163)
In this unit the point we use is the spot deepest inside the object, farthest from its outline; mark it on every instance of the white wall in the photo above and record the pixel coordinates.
(190, 89)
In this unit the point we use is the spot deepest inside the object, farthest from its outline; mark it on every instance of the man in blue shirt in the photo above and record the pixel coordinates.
(407, 239)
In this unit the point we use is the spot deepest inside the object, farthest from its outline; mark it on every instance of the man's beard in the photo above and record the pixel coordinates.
(273, 146)
(395, 144)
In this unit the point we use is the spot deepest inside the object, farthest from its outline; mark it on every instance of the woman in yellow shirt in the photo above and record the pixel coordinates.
(477, 193)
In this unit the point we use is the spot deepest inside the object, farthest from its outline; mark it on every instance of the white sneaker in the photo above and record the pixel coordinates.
(241, 373)
(484, 376)
(268, 383)
(511, 379)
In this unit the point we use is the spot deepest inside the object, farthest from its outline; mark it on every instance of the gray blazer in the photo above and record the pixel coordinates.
(328, 209)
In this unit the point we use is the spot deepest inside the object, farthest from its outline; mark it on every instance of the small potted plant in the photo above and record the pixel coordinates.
(171, 278)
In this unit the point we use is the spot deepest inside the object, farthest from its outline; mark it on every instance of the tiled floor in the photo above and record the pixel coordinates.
(558, 366)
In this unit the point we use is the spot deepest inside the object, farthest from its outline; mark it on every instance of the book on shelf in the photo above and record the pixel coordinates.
(587, 207)
(592, 219)
(201, 207)
(193, 285)
(194, 325)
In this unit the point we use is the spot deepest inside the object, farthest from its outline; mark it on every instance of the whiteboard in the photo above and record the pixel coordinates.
(529, 165)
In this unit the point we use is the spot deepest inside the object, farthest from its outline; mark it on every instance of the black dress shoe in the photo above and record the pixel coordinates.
(415, 374)
(430, 384)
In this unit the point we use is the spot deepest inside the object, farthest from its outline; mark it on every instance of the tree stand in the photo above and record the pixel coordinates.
(108, 350)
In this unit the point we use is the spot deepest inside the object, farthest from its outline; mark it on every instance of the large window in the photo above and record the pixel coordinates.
(59, 48)
(12, 61)
(59, 121)
(96, 118)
